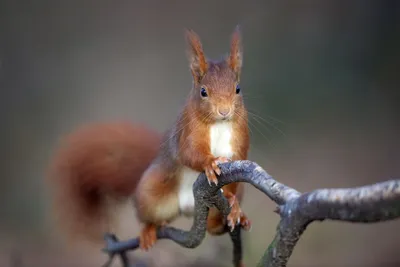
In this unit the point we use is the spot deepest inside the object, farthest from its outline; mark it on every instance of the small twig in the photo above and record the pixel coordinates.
(367, 204)
(237, 247)
(112, 239)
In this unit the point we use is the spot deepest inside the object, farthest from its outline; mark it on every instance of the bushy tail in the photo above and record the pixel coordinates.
(94, 165)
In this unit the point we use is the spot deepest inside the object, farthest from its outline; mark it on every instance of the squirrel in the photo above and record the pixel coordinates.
(124, 161)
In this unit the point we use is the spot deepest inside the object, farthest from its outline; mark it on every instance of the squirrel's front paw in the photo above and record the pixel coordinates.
(212, 170)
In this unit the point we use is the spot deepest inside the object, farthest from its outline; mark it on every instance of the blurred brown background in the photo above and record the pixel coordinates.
(327, 69)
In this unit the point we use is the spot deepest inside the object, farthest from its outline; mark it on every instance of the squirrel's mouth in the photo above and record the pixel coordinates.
(224, 118)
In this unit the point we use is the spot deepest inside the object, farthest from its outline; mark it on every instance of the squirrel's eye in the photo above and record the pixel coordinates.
(237, 89)
(203, 92)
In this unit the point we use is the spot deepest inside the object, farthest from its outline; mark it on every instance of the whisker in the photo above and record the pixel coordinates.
(269, 116)
(267, 128)
(258, 130)
(241, 117)
(268, 122)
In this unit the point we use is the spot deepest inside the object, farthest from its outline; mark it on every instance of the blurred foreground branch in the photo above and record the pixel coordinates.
(367, 204)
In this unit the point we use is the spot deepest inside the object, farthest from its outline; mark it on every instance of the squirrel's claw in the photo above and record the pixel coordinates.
(236, 216)
(211, 177)
(245, 222)
(212, 169)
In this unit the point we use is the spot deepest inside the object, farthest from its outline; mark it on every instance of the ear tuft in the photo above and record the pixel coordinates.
(235, 59)
(195, 54)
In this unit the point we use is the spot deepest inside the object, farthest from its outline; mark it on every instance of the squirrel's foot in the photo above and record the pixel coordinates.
(236, 216)
(245, 222)
(148, 237)
(211, 168)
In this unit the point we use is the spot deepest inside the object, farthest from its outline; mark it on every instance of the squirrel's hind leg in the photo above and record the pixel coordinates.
(216, 222)
(148, 236)
(156, 203)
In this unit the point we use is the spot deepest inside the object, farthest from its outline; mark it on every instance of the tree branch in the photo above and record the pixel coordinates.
(367, 204)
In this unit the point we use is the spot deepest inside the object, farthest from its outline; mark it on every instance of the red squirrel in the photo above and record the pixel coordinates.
(126, 161)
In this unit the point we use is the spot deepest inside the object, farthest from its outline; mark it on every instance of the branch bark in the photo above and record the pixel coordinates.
(366, 204)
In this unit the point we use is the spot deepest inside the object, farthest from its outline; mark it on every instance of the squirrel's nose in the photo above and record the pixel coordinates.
(224, 111)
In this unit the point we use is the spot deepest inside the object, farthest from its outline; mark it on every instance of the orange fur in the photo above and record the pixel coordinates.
(235, 57)
(155, 197)
(121, 161)
(187, 144)
(94, 163)
(198, 63)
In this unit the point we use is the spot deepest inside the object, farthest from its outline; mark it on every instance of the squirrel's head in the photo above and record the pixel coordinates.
(216, 92)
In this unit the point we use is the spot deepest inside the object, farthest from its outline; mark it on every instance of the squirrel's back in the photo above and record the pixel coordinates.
(94, 165)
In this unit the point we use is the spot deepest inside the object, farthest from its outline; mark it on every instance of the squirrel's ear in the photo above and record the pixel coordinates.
(236, 54)
(195, 54)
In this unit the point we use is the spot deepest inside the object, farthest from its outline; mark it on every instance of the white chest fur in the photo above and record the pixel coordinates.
(220, 146)
(220, 139)
(186, 198)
